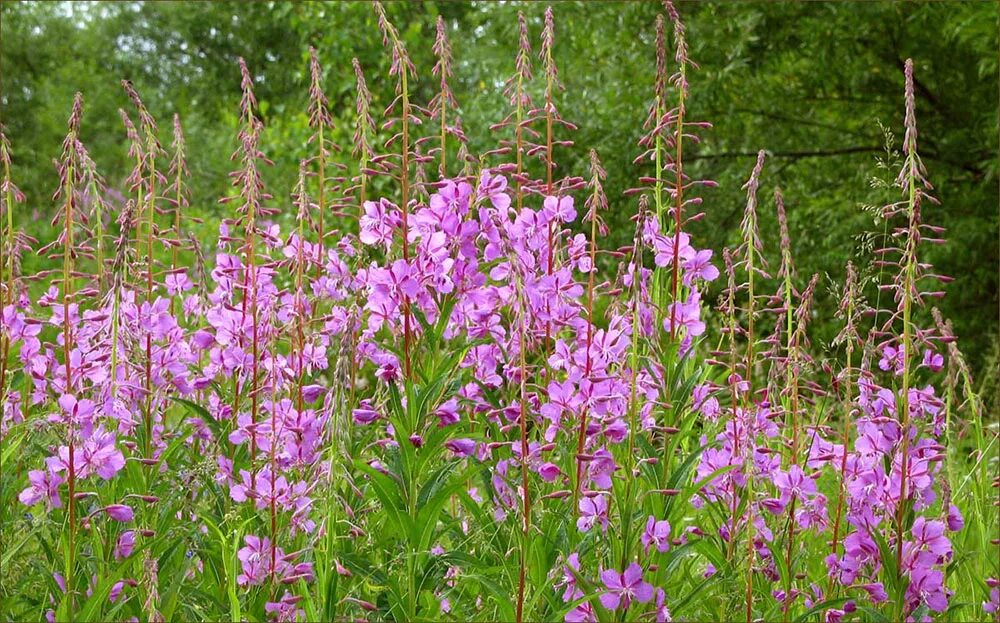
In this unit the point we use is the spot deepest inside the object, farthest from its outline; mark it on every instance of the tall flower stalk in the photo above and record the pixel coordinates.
(179, 195)
(914, 187)
(518, 96)
(444, 98)
(679, 81)
(401, 67)
(73, 220)
(752, 262)
(849, 311)
(667, 127)
(596, 202)
(151, 181)
(522, 421)
(69, 174)
(321, 121)
(364, 131)
(247, 179)
(796, 355)
(10, 195)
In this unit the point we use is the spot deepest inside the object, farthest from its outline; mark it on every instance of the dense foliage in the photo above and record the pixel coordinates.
(440, 352)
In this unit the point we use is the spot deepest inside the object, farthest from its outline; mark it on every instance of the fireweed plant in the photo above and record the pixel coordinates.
(445, 400)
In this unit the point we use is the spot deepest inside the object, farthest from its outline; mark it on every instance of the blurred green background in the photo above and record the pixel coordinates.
(818, 85)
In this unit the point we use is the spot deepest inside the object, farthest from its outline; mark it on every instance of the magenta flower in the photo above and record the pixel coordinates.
(570, 570)
(461, 447)
(388, 369)
(286, 610)
(893, 359)
(685, 315)
(622, 588)
(177, 283)
(664, 247)
(78, 413)
(116, 591)
(602, 466)
(125, 544)
(448, 413)
(100, 456)
(364, 413)
(876, 591)
(662, 612)
(593, 510)
(699, 267)
(119, 512)
(993, 605)
(955, 520)
(930, 535)
(44, 484)
(794, 484)
(254, 559)
(584, 613)
(933, 361)
(559, 209)
(658, 533)
(927, 587)
(494, 188)
(377, 223)
(549, 471)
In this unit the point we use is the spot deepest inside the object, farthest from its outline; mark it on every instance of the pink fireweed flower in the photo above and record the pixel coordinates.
(116, 590)
(100, 456)
(494, 188)
(699, 267)
(43, 484)
(364, 413)
(549, 472)
(933, 361)
(570, 570)
(930, 535)
(388, 370)
(285, 610)
(622, 588)
(578, 253)
(584, 613)
(601, 467)
(893, 359)
(177, 283)
(593, 510)
(993, 605)
(794, 484)
(378, 222)
(955, 520)
(125, 544)
(254, 559)
(656, 533)
(664, 247)
(77, 413)
(559, 209)
(706, 404)
(685, 315)
(923, 403)
(927, 587)
(461, 447)
(448, 413)
(563, 398)
(119, 512)
(876, 592)
(662, 612)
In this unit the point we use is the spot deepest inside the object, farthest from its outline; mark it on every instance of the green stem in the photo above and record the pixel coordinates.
(904, 398)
